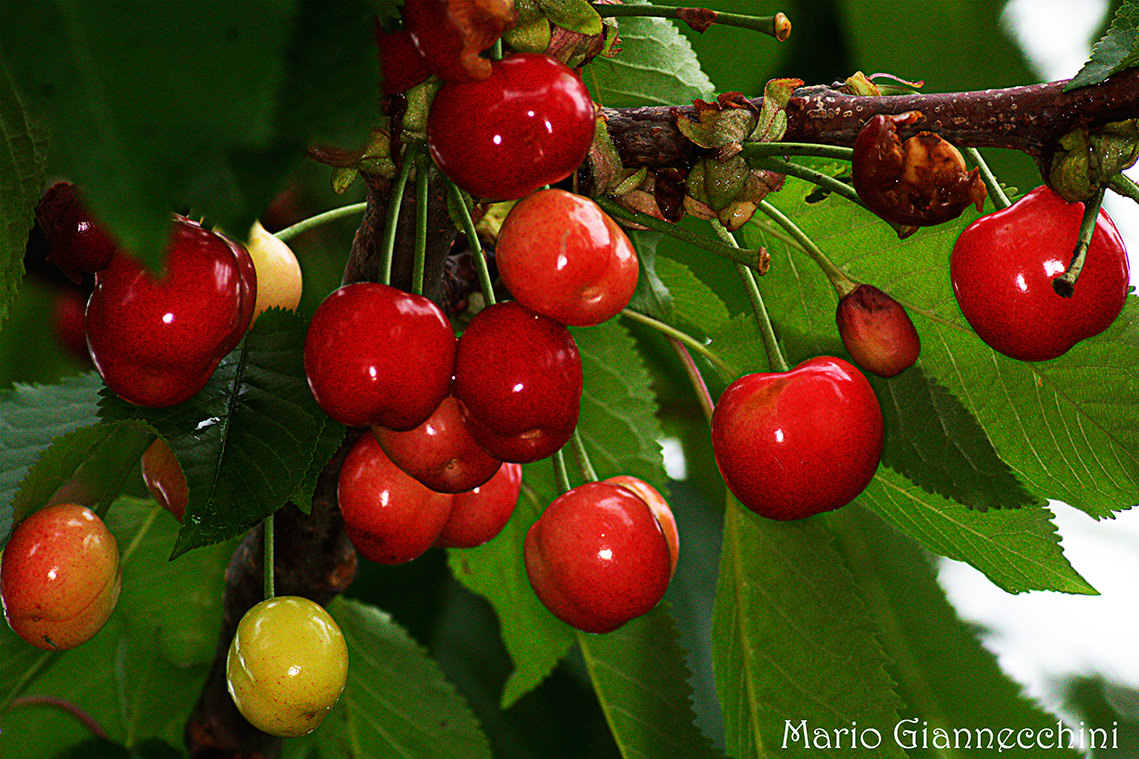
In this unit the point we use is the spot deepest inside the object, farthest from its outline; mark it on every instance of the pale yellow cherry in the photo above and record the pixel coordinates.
(287, 665)
(278, 272)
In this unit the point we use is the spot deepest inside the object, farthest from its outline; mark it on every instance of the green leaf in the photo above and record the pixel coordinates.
(651, 296)
(694, 303)
(30, 417)
(793, 640)
(1116, 51)
(1017, 549)
(641, 679)
(208, 106)
(953, 457)
(250, 439)
(88, 465)
(656, 66)
(1068, 428)
(396, 702)
(947, 678)
(22, 155)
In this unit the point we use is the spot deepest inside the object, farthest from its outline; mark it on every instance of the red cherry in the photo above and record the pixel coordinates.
(77, 243)
(1003, 265)
(519, 377)
(441, 453)
(561, 256)
(157, 341)
(597, 557)
(877, 331)
(529, 124)
(68, 321)
(389, 516)
(793, 444)
(660, 509)
(164, 478)
(375, 355)
(480, 513)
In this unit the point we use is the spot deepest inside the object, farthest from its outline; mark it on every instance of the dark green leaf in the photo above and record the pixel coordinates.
(22, 155)
(88, 465)
(30, 417)
(793, 640)
(651, 296)
(939, 445)
(1116, 51)
(95, 748)
(656, 66)
(949, 681)
(641, 680)
(397, 702)
(249, 440)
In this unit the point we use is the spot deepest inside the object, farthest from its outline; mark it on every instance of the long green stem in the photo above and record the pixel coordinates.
(838, 279)
(288, 233)
(756, 259)
(391, 222)
(809, 149)
(459, 204)
(777, 26)
(672, 333)
(1065, 284)
(561, 474)
(826, 181)
(763, 320)
(421, 188)
(996, 192)
(582, 456)
(695, 378)
(269, 558)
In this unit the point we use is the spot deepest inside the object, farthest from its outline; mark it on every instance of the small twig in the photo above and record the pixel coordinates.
(777, 26)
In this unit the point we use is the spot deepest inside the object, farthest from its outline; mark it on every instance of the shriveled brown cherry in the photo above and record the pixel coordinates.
(919, 182)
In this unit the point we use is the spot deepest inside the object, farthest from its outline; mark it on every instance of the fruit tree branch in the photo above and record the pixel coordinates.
(1029, 118)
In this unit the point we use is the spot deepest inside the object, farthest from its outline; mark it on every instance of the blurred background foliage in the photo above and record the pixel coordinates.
(951, 45)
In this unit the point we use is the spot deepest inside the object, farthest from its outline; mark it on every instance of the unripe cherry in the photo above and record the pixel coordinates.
(877, 331)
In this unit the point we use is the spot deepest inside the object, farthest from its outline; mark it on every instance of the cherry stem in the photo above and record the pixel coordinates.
(422, 171)
(783, 149)
(1065, 284)
(561, 474)
(695, 378)
(1125, 186)
(826, 181)
(66, 706)
(775, 356)
(777, 26)
(685, 339)
(756, 259)
(459, 204)
(391, 222)
(842, 284)
(992, 184)
(305, 225)
(584, 465)
(269, 562)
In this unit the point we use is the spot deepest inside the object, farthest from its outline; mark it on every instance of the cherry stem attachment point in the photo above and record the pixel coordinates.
(777, 26)
(775, 356)
(391, 222)
(288, 233)
(842, 284)
(268, 557)
(1065, 284)
(459, 208)
(992, 184)
(422, 172)
(755, 259)
(681, 337)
